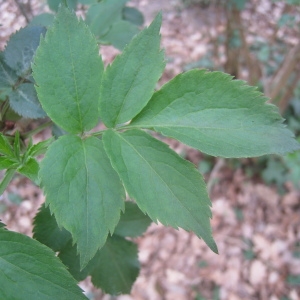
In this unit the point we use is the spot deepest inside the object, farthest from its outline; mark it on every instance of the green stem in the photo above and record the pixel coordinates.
(4, 109)
(37, 130)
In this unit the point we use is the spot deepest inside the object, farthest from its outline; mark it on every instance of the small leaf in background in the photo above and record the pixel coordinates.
(32, 269)
(47, 232)
(124, 93)
(68, 70)
(8, 77)
(30, 169)
(2, 225)
(58, 131)
(83, 190)
(218, 116)
(54, 4)
(101, 16)
(133, 222)
(14, 198)
(116, 266)
(169, 189)
(44, 19)
(133, 15)
(120, 34)
(21, 48)
(24, 102)
(69, 257)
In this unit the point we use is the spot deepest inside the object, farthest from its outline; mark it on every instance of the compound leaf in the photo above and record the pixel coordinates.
(169, 189)
(116, 266)
(83, 191)
(47, 232)
(21, 48)
(30, 270)
(68, 70)
(129, 82)
(101, 16)
(25, 103)
(133, 222)
(217, 115)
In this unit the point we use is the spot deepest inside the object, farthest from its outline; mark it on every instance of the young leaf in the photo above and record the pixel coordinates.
(217, 115)
(24, 102)
(30, 169)
(47, 232)
(116, 266)
(83, 191)
(128, 83)
(39, 148)
(5, 146)
(21, 48)
(8, 163)
(120, 34)
(68, 70)
(133, 222)
(8, 176)
(101, 16)
(30, 270)
(168, 189)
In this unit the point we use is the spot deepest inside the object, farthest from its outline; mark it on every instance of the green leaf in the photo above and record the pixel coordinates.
(24, 102)
(44, 19)
(83, 191)
(217, 115)
(133, 222)
(5, 146)
(8, 163)
(2, 225)
(124, 93)
(68, 256)
(9, 174)
(21, 48)
(116, 266)
(17, 145)
(120, 34)
(102, 15)
(39, 148)
(30, 270)
(133, 15)
(47, 232)
(8, 77)
(30, 169)
(54, 4)
(169, 189)
(68, 70)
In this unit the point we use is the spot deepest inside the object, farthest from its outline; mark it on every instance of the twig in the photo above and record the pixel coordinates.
(213, 175)
(22, 10)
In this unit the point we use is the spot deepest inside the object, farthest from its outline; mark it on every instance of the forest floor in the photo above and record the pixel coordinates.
(257, 230)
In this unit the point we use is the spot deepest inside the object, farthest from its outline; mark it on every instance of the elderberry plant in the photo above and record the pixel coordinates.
(86, 174)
